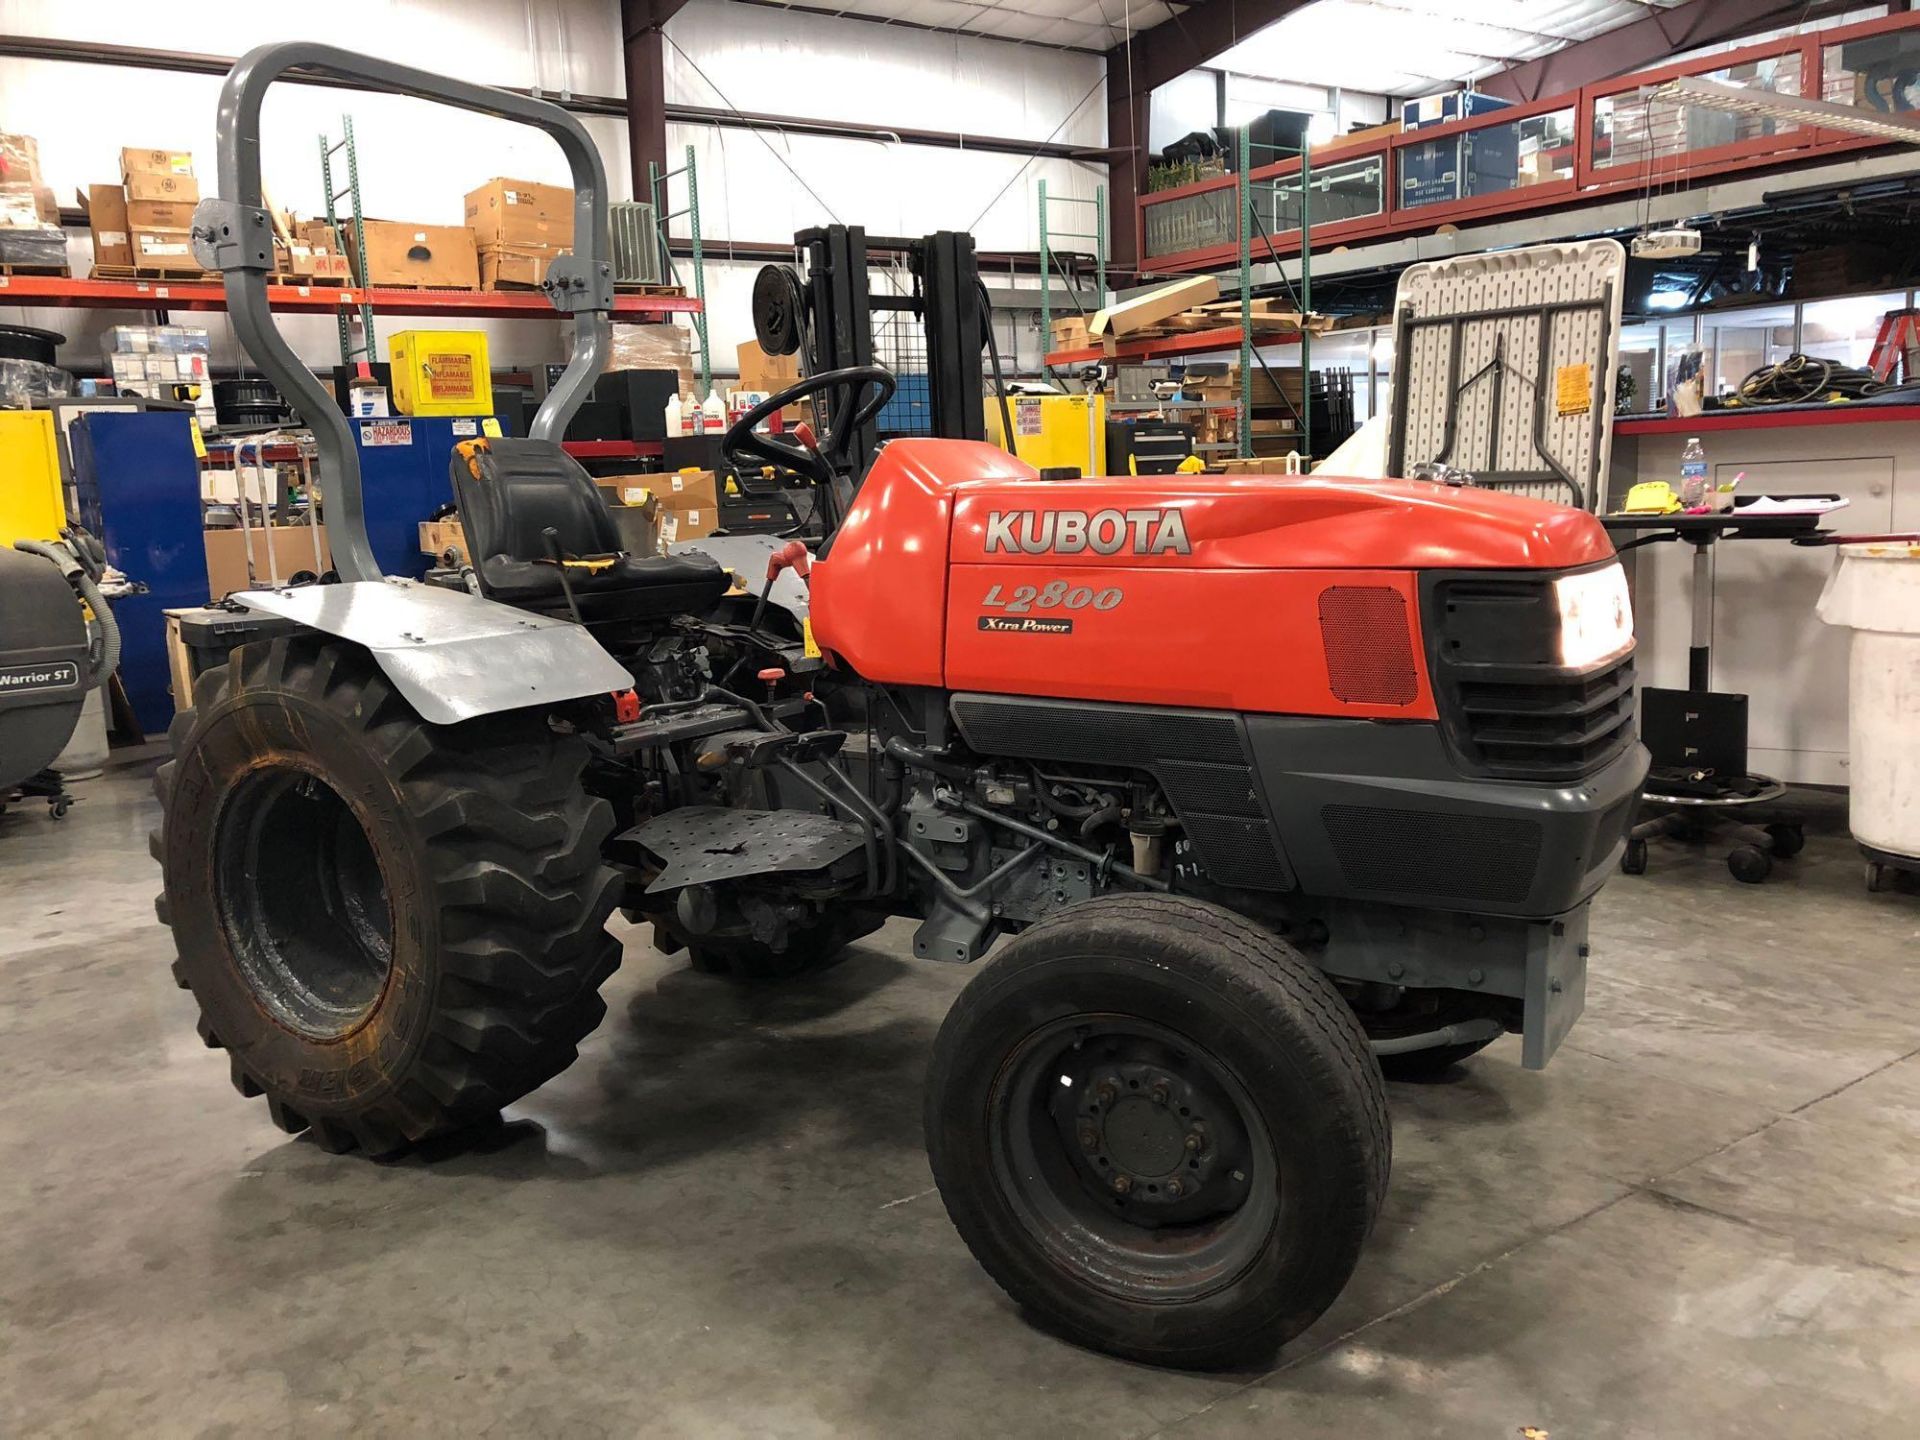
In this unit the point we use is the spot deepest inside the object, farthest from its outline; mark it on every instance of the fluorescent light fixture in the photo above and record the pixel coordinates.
(1596, 616)
(1675, 242)
(1802, 109)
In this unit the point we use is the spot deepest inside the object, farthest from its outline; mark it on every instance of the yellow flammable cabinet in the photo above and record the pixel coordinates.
(31, 507)
(440, 372)
(1054, 431)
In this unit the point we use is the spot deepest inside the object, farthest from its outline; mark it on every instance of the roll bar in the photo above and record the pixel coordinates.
(233, 234)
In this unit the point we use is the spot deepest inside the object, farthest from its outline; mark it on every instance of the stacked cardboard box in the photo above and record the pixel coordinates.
(159, 195)
(310, 254)
(772, 374)
(30, 233)
(434, 257)
(689, 505)
(518, 227)
(150, 360)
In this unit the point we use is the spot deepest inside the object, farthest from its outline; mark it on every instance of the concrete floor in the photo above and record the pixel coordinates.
(1703, 1219)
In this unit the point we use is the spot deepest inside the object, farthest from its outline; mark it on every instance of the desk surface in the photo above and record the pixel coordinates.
(1722, 525)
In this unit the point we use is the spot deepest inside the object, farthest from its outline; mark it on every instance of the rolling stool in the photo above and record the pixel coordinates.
(1699, 786)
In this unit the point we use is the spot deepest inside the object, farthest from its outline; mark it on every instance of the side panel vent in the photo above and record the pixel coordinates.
(1369, 645)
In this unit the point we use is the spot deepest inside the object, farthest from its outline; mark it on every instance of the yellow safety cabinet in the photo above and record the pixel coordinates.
(1054, 431)
(440, 372)
(31, 507)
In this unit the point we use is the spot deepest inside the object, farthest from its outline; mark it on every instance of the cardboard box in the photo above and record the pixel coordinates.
(521, 213)
(1156, 305)
(19, 160)
(771, 373)
(678, 525)
(27, 207)
(176, 189)
(159, 215)
(1071, 334)
(155, 162)
(107, 215)
(684, 489)
(689, 505)
(227, 556)
(164, 250)
(438, 538)
(513, 267)
(431, 255)
(636, 512)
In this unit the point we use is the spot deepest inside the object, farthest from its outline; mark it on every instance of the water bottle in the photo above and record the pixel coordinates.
(1695, 495)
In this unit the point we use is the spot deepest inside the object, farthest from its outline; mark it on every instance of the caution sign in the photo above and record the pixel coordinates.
(1026, 417)
(386, 432)
(450, 376)
(1573, 389)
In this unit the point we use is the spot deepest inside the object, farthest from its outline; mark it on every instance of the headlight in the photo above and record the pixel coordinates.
(1596, 616)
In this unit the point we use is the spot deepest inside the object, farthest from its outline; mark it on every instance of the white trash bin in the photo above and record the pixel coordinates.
(1874, 590)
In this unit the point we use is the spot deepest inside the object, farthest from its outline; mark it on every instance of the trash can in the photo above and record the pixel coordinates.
(1874, 591)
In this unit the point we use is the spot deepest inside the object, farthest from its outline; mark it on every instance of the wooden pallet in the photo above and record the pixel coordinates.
(416, 285)
(663, 292)
(332, 282)
(148, 272)
(58, 272)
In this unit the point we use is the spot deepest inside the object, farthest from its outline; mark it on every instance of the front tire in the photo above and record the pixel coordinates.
(1159, 1129)
(392, 928)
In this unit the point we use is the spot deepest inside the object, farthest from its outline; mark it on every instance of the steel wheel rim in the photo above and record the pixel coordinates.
(1074, 1108)
(303, 902)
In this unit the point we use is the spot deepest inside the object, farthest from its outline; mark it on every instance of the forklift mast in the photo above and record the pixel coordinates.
(835, 326)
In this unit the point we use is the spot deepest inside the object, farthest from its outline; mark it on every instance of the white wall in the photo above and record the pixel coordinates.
(722, 55)
(419, 160)
(1767, 642)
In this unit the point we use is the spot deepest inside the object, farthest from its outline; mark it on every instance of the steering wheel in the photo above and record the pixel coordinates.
(863, 393)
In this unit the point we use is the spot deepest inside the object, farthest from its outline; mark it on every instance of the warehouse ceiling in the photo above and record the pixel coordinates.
(1078, 24)
(1417, 47)
(1386, 47)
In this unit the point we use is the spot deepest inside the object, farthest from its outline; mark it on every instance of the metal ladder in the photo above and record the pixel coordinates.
(1897, 346)
(366, 350)
(657, 191)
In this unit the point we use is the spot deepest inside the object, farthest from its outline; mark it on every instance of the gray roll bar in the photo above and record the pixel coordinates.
(234, 235)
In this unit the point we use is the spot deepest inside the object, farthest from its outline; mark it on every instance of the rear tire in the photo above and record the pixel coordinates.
(392, 928)
(1214, 1242)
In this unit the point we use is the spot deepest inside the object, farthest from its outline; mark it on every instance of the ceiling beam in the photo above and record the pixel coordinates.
(644, 52)
(1661, 35)
(1136, 68)
(1189, 39)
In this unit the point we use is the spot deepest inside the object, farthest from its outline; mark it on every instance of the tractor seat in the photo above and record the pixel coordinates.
(511, 492)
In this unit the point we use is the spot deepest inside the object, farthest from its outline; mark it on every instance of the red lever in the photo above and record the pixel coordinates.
(773, 674)
(803, 432)
(794, 556)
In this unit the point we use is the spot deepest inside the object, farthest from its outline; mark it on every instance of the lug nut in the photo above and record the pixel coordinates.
(1089, 1138)
(1195, 1142)
(1161, 1093)
(1122, 1184)
(1175, 1188)
(1106, 1093)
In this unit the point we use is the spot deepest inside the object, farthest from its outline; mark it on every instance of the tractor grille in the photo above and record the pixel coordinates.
(1507, 708)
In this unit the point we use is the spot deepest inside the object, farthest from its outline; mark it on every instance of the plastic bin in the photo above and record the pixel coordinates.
(1874, 591)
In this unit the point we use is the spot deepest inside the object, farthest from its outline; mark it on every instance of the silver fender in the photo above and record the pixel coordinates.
(451, 654)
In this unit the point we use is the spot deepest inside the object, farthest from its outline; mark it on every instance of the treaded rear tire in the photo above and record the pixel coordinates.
(1235, 993)
(489, 851)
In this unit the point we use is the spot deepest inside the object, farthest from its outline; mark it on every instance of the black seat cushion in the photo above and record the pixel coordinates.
(522, 489)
